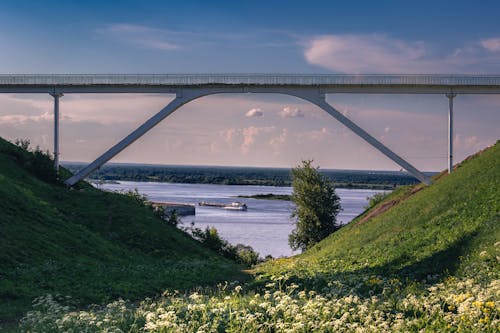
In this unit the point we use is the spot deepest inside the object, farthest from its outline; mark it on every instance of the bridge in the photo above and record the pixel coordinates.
(188, 87)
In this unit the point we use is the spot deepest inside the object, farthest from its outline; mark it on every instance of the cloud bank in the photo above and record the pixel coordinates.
(380, 53)
(491, 44)
(140, 35)
(290, 112)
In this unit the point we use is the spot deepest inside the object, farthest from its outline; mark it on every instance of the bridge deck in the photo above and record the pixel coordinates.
(96, 83)
(189, 87)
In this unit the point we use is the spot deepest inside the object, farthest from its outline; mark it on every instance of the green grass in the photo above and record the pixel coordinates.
(91, 245)
(422, 259)
(440, 229)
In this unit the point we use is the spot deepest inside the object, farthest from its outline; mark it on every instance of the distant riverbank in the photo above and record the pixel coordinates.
(348, 179)
(268, 196)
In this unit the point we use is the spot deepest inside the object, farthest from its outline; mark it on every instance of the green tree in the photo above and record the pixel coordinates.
(317, 206)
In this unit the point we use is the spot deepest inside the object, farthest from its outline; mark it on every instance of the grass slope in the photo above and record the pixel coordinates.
(91, 245)
(424, 259)
(439, 229)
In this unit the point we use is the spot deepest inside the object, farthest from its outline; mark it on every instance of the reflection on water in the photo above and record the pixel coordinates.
(265, 225)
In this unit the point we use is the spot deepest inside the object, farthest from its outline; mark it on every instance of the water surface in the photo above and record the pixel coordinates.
(265, 225)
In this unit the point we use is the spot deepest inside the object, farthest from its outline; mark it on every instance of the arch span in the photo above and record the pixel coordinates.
(185, 96)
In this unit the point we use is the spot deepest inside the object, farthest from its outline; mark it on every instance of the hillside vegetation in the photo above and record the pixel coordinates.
(91, 245)
(416, 231)
(425, 258)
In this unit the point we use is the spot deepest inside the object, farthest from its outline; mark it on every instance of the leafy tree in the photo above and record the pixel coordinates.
(317, 206)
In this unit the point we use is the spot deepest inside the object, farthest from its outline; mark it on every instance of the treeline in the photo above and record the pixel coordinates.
(242, 175)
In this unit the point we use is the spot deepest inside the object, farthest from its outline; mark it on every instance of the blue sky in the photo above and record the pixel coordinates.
(253, 37)
(257, 36)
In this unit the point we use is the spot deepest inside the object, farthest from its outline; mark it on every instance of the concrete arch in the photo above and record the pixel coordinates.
(185, 96)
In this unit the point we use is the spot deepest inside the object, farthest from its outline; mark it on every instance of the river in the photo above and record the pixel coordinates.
(265, 225)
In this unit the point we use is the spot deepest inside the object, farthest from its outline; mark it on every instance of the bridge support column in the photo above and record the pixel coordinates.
(319, 100)
(450, 131)
(188, 95)
(181, 99)
(56, 129)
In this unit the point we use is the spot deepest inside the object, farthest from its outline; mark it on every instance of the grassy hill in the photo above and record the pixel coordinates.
(416, 231)
(91, 245)
(424, 259)
(431, 253)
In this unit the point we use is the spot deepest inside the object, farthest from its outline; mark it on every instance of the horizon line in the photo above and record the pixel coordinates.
(241, 166)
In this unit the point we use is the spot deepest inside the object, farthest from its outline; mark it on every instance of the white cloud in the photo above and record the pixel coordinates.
(279, 141)
(314, 135)
(244, 137)
(141, 35)
(491, 44)
(364, 53)
(228, 135)
(255, 112)
(289, 112)
(18, 119)
(105, 109)
(250, 134)
(379, 53)
(32, 105)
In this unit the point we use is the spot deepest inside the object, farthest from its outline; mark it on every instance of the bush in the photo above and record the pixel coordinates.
(141, 199)
(39, 163)
(240, 253)
(172, 218)
(42, 166)
(247, 255)
(376, 199)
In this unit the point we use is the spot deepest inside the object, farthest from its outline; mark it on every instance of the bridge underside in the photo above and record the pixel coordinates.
(184, 96)
(188, 87)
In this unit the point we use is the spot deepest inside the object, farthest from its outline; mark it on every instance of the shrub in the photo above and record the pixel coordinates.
(209, 237)
(246, 255)
(136, 196)
(39, 163)
(376, 199)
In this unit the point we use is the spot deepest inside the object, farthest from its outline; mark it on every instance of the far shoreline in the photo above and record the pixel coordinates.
(277, 177)
(348, 186)
(267, 196)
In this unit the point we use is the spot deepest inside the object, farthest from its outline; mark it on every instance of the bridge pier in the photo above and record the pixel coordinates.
(56, 129)
(191, 86)
(180, 99)
(450, 130)
(184, 96)
(319, 100)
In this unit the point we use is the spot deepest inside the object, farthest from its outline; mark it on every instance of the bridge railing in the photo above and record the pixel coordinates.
(248, 79)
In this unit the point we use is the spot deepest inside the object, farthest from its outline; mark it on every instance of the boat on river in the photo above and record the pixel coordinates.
(236, 205)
